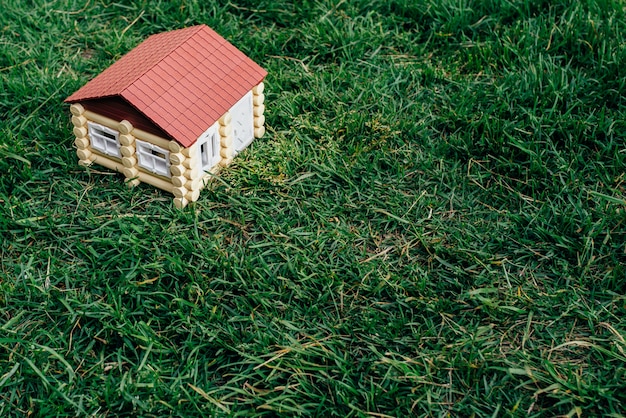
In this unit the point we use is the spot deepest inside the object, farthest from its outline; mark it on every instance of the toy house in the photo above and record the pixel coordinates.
(171, 112)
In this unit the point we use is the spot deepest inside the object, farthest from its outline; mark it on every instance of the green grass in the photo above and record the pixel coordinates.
(434, 224)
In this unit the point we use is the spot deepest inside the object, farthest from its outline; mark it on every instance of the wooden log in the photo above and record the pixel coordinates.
(77, 109)
(132, 182)
(155, 181)
(85, 163)
(179, 181)
(179, 191)
(192, 151)
(259, 132)
(259, 110)
(80, 132)
(226, 152)
(259, 121)
(156, 140)
(180, 202)
(226, 119)
(109, 157)
(175, 147)
(259, 88)
(226, 130)
(177, 158)
(177, 170)
(127, 150)
(226, 141)
(81, 143)
(102, 120)
(130, 172)
(192, 173)
(190, 162)
(127, 139)
(108, 163)
(129, 162)
(258, 99)
(195, 184)
(84, 154)
(166, 177)
(193, 195)
(125, 127)
(225, 161)
(79, 121)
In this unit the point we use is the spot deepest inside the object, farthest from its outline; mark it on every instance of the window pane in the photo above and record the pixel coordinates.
(157, 154)
(97, 142)
(204, 155)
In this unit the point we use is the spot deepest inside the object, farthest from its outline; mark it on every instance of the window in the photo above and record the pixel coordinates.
(209, 150)
(104, 140)
(153, 158)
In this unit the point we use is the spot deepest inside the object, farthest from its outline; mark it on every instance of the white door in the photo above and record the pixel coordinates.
(243, 122)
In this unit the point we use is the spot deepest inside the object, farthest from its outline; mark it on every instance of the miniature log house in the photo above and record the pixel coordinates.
(171, 112)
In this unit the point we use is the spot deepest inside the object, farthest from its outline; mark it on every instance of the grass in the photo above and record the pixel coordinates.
(434, 224)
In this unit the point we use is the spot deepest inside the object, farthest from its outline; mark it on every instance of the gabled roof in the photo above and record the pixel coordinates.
(183, 80)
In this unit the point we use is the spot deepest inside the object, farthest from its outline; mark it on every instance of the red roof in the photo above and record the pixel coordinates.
(183, 80)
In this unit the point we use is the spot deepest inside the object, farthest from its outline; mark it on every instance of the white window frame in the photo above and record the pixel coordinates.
(104, 139)
(209, 146)
(153, 158)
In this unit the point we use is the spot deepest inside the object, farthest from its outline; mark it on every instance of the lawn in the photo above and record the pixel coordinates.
(433, 225)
